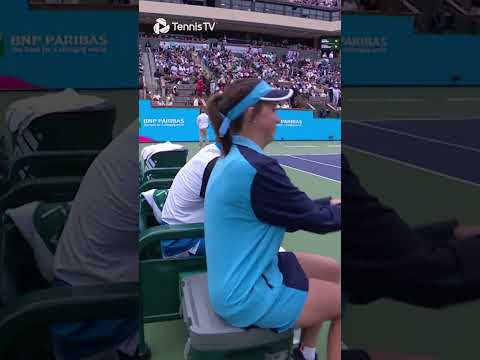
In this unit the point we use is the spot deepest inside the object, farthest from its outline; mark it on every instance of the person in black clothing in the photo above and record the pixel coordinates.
(431, 266)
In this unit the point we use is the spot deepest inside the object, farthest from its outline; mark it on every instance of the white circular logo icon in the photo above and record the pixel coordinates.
(161, 26)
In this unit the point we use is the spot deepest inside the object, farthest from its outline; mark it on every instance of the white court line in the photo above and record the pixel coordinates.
(385, 99)
(316, 162)
(463, 147)
(446, 176)
(301, 146)
(334, 145)
(309, 173)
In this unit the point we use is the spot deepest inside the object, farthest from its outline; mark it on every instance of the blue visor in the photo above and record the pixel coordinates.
(261, 92)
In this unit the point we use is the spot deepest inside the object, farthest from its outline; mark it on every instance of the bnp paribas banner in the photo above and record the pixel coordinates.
(52, 48)
(387, 50)
(158, 124)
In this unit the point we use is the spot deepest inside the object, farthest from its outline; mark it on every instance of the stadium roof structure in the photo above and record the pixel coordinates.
(239, 20)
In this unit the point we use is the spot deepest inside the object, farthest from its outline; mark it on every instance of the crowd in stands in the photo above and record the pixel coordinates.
(215, 42)
(208, 70)
(177, 64)
(307, 75)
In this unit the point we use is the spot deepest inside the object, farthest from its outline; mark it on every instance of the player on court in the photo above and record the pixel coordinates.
(249, 204)
(202, 123)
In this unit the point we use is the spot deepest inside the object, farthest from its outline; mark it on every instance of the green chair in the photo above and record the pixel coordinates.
(166, 159)
(24, 323)
(153, 270)
(19, 273)
(32, 305)
(146, 216)
(160, 173)
(159, 184)
(90, 131)
(160, 278)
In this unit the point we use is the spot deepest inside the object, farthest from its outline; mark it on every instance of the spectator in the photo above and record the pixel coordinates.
(199, 87)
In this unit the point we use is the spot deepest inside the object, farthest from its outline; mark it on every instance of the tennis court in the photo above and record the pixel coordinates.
(433, 157)
(312, 166)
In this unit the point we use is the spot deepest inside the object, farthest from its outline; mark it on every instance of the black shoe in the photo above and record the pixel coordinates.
(298, 355)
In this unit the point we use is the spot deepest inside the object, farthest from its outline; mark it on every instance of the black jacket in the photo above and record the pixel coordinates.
(383, 257)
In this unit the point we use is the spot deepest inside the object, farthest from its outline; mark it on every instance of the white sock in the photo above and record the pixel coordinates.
(308, 353)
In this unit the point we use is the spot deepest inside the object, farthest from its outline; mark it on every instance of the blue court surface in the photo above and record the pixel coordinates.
(325, 166)
(450, 148)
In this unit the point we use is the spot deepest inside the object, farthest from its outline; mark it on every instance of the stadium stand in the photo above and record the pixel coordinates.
(186, 68)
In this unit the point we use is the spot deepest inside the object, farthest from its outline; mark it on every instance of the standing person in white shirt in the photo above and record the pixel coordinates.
(202, 123)
(196, 101)
(336, 96)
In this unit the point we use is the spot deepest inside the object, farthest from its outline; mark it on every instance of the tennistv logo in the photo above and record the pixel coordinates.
(162, 27)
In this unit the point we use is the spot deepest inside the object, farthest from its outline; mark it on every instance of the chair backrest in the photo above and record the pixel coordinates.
(88, 130)
(164, 159)
(50, 164)
(57, 189)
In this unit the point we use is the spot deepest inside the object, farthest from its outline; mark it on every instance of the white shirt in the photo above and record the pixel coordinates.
(202, 121)
(336, 92)
(184, 204)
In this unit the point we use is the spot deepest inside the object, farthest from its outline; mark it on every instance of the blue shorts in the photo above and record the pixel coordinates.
(175, 247)
(75, 341)
(288, 306)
